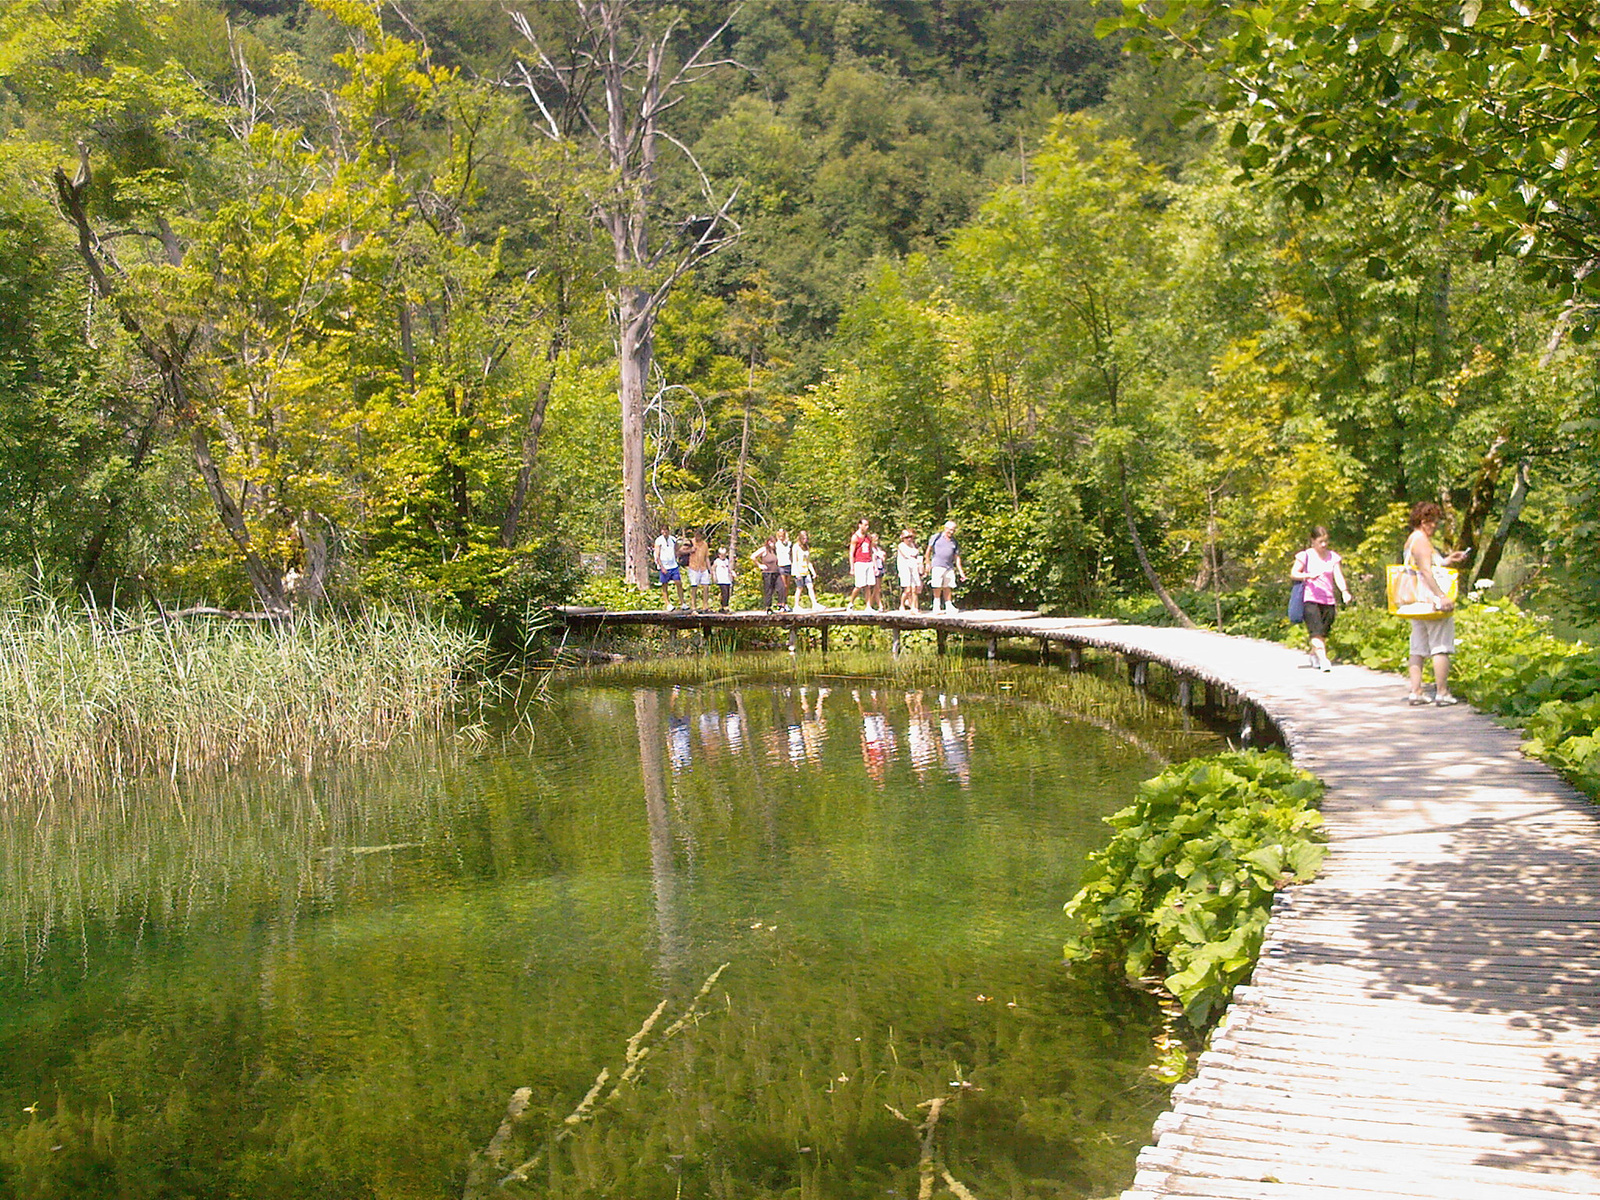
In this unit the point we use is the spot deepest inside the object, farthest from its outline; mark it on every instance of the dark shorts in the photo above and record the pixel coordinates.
(1319, 618)
(670, 575)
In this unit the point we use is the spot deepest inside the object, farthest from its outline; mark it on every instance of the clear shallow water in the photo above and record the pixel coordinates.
(332, 986)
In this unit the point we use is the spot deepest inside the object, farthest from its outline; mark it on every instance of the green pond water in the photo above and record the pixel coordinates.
(332, 984)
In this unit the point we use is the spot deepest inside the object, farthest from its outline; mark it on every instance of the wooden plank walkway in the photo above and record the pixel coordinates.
(1425, 1017)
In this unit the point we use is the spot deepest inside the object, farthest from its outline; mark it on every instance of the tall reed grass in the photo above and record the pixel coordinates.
(88, 698)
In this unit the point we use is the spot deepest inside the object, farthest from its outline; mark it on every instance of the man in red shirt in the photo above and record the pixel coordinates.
(861, 565)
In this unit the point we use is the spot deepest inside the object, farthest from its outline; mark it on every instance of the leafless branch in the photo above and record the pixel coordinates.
(692, 67)
(533, 90)
(705, 183)
(705, 245)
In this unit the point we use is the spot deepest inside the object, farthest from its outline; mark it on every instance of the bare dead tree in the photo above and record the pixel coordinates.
(612, 86)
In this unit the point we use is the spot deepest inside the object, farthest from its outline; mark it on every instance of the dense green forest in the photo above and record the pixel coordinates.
(329, 299)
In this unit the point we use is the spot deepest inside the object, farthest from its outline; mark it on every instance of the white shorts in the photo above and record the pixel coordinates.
(699, 578)
(1433, 637)
(910, 576)
(942, 577)
(865, 576)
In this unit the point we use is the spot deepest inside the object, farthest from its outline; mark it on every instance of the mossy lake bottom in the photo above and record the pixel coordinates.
(330, 985)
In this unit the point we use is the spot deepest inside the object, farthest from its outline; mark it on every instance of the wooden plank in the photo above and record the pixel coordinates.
(1449, 1133)
(1397, 1173)
(1311, 1153)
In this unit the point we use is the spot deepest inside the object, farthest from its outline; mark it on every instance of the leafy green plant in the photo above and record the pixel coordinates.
(1186, 884)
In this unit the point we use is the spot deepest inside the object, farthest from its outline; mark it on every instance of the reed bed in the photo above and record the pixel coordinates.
(88, 699)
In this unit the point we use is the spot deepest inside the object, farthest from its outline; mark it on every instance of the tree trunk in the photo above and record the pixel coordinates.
(626, 134)
(1171, 605)
(97, 544)
(1214, 553)
(635, 327)
(267, 584)
(1481, 498)
(314, 546)
(509, 526)
(1489, 560)
(738, 475)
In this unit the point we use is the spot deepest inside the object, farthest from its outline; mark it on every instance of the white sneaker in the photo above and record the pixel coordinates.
(951, 608)
(936, 607)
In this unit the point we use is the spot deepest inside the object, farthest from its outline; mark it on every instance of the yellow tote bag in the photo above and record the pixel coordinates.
(1408, 597)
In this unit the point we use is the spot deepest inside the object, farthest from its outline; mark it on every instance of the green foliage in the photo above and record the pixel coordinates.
(387, 301)
(1186, 885)
(1490, 104)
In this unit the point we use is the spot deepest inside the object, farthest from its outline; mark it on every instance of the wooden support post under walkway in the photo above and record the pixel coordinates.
(1424, 1020)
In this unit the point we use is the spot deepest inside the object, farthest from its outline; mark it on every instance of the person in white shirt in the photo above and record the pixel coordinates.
(666, 556)
(722, 576)
(908, 560)
(785, 549)
(804, 572)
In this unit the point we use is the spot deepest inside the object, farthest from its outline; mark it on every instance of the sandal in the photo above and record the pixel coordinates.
(1416, 701)
(1445, 701)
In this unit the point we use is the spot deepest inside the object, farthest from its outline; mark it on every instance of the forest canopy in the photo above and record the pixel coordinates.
(333, 300)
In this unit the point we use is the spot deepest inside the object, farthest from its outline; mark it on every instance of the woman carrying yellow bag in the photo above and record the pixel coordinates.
(1433, 622)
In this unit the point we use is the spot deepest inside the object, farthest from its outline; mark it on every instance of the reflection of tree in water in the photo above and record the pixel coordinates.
(663, 872)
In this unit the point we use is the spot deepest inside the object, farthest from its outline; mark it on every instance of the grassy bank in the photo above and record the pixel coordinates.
(87, 698)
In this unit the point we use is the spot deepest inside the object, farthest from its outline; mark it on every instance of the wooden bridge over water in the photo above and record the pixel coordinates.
(1425, 1017)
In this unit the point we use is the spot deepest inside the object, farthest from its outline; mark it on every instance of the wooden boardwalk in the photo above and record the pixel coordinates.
(1425, 1017)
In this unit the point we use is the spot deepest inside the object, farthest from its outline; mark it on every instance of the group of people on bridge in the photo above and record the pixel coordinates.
(789, 573)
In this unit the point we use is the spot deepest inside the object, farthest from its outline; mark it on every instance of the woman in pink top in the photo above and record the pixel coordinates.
(1318, 568)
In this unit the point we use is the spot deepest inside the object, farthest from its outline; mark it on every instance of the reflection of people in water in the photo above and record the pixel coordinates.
(920, 741)
(955, 739)
(813, 727)
(877, 738)
(711, 733)
(678, 745)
